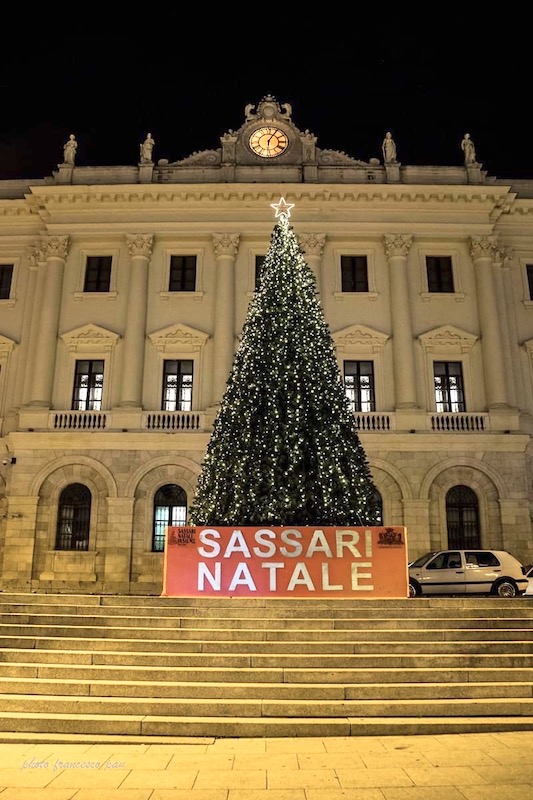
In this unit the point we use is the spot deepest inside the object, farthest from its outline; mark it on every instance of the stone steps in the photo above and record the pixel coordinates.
(156, 668)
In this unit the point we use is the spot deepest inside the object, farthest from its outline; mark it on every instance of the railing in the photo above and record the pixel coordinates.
(462, 423)
(372, 421)
(108, 420)
(172, 421)
(195, 421)
(79, 420)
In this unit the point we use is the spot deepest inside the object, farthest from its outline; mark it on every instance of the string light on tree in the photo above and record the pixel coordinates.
(284, 448)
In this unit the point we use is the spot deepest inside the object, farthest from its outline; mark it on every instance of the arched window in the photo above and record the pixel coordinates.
(73, 518)
(462, 518)
(377, 503)
(170, 508)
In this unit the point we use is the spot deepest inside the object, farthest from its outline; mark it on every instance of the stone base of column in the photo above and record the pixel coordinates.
(65, 173)
(392, 172)
(474, 173)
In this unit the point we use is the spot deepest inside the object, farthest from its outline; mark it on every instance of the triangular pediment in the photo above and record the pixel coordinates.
(90, 336)
(177, 337)
(447, 337)
(359, 337)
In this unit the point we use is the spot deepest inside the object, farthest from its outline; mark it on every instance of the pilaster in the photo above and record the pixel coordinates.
(397, 248)
(140, 249)
(482, 250)
(226, 246)
(55, 251)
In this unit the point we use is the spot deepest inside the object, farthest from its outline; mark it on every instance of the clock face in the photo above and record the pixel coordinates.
(268, 142)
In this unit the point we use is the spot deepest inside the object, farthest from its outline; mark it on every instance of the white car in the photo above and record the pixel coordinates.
(472, 571)
(529, 575)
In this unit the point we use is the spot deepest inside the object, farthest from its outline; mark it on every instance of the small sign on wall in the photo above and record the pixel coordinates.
(354, 562)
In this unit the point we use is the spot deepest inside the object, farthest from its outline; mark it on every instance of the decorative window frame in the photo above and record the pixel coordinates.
(448, 343)
(6, 350)
(361, 343)
(79, 294)
(10, 301)
(93, 519)
(527, 298)
(369, 252)
(177, 342)
(528, 347)
(252, 255)
(458, 295)
(198, 294)
(90, 342)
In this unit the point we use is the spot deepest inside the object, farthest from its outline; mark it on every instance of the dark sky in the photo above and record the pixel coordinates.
(349, 79)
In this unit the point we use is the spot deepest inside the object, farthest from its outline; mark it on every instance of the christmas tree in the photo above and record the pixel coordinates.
(284, 448)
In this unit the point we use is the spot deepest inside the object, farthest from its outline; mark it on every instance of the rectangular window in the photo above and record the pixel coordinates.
(97, 274)
(259, 261)
(177, 385)
(182, 274)
(359, 385)
(440, 274)
(88, 385)
(449, 391)
(354, 273)
(6, 276)
(529, 271)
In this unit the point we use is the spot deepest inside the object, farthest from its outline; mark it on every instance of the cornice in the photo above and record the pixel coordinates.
(137, 195)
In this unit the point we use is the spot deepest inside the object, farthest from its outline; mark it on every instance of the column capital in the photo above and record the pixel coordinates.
(397, 244)
(226, 244)
(36, 255)
(483, 247)
(313, 243)
(140, 244)
(56, 247)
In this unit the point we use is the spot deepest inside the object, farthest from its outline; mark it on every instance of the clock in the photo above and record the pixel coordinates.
(268, 141)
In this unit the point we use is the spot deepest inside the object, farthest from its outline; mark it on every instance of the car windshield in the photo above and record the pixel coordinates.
(423, 559)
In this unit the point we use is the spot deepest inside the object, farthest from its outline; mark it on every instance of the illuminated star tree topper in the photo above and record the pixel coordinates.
(284, 448)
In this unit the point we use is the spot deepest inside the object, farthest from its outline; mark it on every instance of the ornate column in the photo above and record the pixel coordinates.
(30, 324)
(226, 246)
(397, 248)
(140, 249)
(482, 251)
(55, 251)
(504, 294)
(313, 245)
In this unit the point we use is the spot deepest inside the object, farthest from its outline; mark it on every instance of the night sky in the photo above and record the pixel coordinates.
(349, 79)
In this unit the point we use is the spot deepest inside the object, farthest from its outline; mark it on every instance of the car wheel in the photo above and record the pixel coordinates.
(414, 589)
(506, 588)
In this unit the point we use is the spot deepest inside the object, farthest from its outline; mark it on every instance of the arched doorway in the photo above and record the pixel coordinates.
(170, 508)
(462, 518)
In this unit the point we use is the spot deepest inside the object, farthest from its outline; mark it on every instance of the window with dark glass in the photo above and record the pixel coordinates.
(73, 518)
(6, 276)
(177, 385)
(529, 272)
(182, 274)
(354, 273)
(170, 508)
(462, 518)
(359, 385)
(88, 386)
(440, 273)
(449, 391)
(259, 261)
(98, 274)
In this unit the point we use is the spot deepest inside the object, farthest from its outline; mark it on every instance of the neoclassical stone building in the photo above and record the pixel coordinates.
(123, 291)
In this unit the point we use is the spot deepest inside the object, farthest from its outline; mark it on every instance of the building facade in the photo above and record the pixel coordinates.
(123, 291)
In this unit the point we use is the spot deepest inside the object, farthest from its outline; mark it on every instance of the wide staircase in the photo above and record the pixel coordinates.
(99, 668)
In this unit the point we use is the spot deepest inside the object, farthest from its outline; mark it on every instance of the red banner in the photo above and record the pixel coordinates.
(285, 562)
